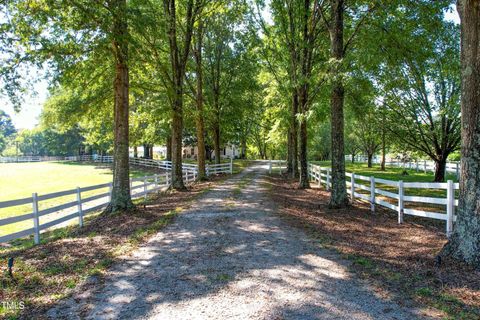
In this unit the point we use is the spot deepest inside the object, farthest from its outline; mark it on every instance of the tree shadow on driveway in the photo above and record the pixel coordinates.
(230, 257)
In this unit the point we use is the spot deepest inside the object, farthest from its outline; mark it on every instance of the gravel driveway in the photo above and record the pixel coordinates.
(230, 257)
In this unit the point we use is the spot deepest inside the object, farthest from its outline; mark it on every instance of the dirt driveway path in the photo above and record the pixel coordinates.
(230, 257)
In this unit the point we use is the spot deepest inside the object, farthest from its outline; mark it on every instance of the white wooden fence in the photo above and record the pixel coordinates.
(419, 165)
(370, 190)
(63, 212)
(76, 209)
(160, 164)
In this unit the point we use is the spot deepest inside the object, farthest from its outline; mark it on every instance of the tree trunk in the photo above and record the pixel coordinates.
(120, 199)
(384, 147)
(169, 148)
(294, 136)
(177, 128)
(135, 152)
(146, 151)
(353, 157)
(216, 141)
(465, 242)
(304, 181)
(199, 116)
(243, 154)
(440, 166)
(369, 159)
(338, 196)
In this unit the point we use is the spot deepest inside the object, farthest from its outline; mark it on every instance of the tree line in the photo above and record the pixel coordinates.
(298, 80)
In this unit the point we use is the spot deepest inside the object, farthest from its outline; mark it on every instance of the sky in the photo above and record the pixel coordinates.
(28, 117)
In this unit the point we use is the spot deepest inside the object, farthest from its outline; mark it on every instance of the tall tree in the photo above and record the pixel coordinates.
(179, 51)
(48, 32)
(199, 115)
(465, 241)
(338, 196)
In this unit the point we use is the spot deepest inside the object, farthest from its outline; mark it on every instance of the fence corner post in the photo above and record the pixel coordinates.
(372, 194)
(36, 219)
(79, 207)
(450, 206)
(352, 187)
(400, 201)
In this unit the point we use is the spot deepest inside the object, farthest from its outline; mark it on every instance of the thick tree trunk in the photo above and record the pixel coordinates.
(169, 148)
(289, 153)
(146, 151)
(120, 199)
(199, 116)
(304, 180)
(294, 137)
(440, 166)
(465, 242)
(369, 160)
(243, 154)
(338, 196)
(384, 147)
(177, 129)
(216, 141)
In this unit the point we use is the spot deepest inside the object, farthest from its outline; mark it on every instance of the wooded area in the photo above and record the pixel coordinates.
(280, 79)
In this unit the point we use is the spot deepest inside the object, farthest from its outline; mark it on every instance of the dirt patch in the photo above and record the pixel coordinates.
(46, 273)
(400, 260)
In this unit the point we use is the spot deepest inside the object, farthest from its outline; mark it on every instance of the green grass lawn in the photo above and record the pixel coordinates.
(20, 180)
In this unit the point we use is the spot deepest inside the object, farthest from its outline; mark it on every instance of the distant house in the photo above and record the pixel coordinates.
(189, 152)
(227, 152)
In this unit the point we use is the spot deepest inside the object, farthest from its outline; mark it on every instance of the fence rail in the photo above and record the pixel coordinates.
(82, 206)
(375, 195)
(76, 209)
(419, 165)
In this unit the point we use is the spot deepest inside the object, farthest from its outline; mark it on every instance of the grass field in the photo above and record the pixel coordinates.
(20, 180)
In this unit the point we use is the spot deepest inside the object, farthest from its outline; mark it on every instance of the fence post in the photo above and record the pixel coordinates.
(400, 201)
(231, 165)
(186, 176)
(207, 170)
(270, 166)
(319, 176)
(328, 179)
(425, 166)
(352, 187)
(372, 193)
(450, 206)
(416, 164)
(156, 181)
(36, 219)
(457, 171)
(79, 206)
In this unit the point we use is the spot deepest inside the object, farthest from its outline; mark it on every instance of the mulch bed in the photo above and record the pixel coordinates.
(400, 260)
(45, 273)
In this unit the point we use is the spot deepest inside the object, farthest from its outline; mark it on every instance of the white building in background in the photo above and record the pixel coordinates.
(159, 152)
(190, 152)
(228, 152)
